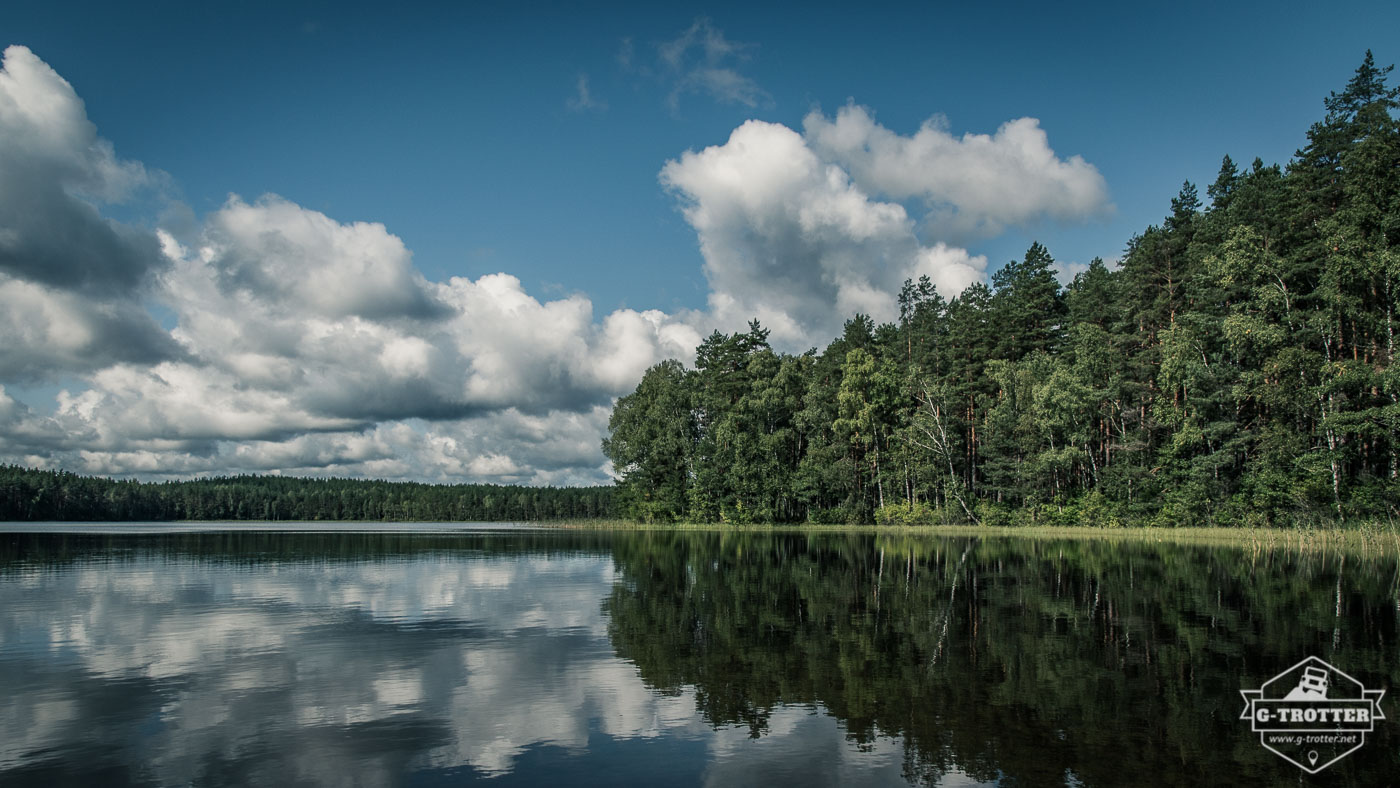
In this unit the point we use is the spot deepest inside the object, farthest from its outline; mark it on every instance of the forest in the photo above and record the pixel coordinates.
(1236, 368)
(38, 495)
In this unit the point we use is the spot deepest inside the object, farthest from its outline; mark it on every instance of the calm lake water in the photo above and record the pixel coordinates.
(255, 656)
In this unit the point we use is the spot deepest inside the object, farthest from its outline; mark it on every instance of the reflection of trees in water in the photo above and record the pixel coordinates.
(261, 546)
(1029, 660)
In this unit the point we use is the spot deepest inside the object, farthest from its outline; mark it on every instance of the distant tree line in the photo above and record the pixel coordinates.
(1238, 368)
(36, 495)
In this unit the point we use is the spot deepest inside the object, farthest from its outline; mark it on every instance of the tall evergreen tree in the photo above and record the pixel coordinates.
(1239, 366)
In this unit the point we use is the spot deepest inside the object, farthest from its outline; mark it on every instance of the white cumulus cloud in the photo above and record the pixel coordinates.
(70, 280)
(791, 239)
(295, 342)
(975, 185)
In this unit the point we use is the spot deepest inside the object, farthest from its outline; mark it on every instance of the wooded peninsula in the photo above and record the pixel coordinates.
(1236, 369)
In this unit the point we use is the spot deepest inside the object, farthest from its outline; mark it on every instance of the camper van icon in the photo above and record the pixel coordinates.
(1312, 686)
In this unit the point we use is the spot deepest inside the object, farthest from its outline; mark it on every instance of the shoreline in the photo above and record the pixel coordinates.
(1366, 537)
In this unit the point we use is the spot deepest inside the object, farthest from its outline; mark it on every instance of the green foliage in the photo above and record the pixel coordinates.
(651, 441)
(1239, 368)
(35, 495)
(919, 513)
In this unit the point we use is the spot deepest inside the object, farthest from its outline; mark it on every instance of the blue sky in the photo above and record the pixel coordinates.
(466, 132)
(451, 125)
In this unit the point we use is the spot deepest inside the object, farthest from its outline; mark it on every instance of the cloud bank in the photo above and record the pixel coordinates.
(71, 281)
(294, 342)
(791, 239)
(977, 185)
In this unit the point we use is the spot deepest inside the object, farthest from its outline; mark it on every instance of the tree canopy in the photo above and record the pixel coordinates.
(1236, 367)
(36, 495)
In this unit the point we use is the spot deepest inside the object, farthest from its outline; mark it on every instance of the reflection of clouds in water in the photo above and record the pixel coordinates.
(498, 593)
(29, 721)
(802, 747)
(349, 674)
(251, 667)
(806, 746)
(556, 693)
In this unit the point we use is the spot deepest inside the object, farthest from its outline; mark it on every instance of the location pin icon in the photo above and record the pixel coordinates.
(1312, 757)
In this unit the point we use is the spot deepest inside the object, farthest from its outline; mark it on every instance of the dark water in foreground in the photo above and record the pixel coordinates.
(580, 658)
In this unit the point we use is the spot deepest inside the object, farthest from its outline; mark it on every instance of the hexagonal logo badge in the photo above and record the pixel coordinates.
(1312, 715)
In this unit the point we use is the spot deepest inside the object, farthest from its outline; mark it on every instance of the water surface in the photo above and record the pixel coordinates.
(379, 655)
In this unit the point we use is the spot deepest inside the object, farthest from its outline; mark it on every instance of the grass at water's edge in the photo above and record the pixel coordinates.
(1367, 537)
(1373, 538)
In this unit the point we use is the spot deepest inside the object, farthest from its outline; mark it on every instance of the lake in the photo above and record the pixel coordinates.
(386, 655)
